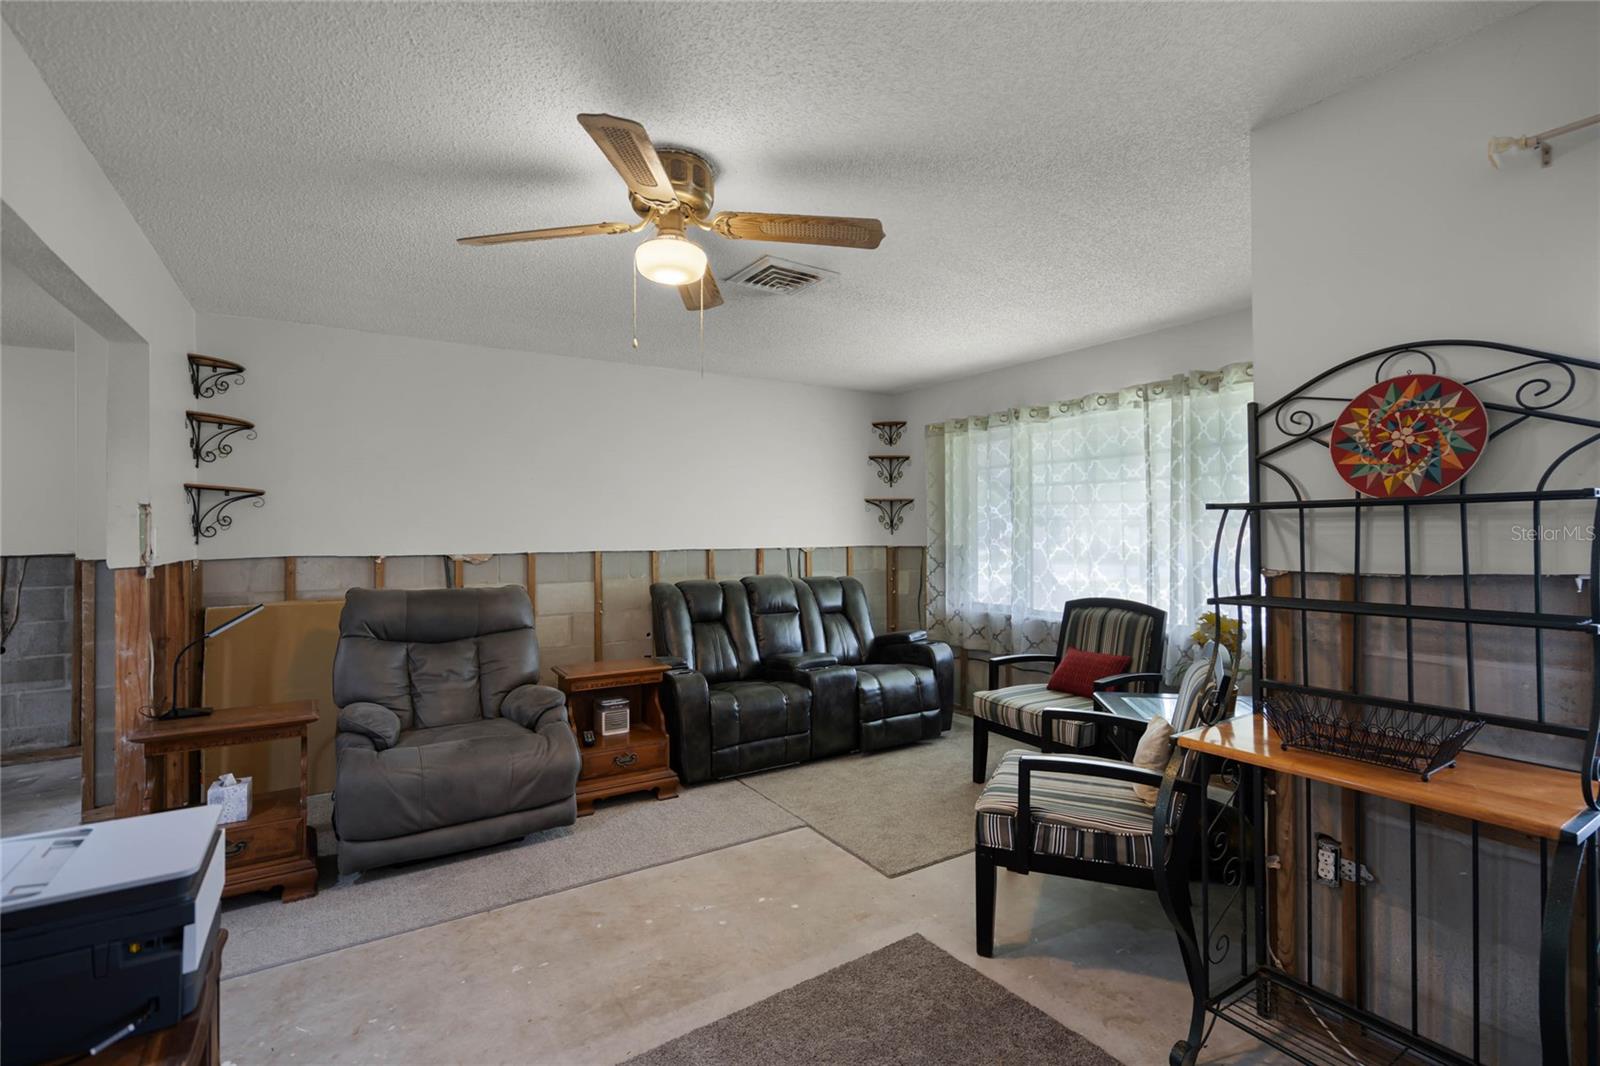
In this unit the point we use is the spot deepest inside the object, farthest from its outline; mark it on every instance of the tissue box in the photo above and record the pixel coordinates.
(232, 795)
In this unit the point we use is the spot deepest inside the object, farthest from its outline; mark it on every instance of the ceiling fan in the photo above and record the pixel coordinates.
(672, 190)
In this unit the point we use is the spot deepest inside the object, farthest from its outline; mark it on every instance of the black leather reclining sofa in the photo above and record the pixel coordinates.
(774, 671)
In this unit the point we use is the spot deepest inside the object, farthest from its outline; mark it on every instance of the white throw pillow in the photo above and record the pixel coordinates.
(1154, 749)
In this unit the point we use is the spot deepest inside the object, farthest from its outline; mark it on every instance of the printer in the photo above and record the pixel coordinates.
(106, 930)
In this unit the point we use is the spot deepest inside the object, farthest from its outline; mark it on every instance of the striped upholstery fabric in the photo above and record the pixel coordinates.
(1018, 707)
(1075, 816)
(1197, 705)
(1114, 631)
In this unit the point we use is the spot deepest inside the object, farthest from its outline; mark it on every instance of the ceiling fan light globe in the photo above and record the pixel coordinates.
(670, 260)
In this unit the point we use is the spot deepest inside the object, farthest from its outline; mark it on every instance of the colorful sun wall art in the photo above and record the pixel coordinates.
(1411, 435)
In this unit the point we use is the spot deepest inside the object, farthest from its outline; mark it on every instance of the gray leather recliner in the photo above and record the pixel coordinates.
(446, 740)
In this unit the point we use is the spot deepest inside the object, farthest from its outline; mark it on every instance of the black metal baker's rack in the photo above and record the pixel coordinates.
(1238, 979)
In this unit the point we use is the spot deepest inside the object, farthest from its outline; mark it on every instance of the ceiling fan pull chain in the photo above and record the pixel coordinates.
(702, 327)
(635, 275)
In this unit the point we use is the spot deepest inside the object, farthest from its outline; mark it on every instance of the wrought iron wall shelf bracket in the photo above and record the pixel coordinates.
(889, 432)
(891, 511)
(891, 468)
(209, 375)
(207, 519)
(207, 446)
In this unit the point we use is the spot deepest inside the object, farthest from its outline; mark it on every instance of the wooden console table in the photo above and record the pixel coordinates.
(636, 761)
(274, 847)
(1258, 996)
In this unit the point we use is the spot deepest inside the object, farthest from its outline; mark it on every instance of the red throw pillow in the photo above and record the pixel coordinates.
(1079, 670)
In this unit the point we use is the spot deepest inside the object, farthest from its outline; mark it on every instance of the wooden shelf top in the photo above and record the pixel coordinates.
(1520, 796)
(212, 361)
(226, 722)
(599, 671)
(218, 420)
(203, 487)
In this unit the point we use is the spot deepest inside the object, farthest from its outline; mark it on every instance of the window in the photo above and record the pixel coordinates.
(1102, 496)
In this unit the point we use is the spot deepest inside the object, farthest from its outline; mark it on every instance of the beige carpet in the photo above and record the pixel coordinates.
(898, 810)
(908, 1003)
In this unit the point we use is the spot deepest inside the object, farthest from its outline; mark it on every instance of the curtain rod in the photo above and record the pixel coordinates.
(1540, 141)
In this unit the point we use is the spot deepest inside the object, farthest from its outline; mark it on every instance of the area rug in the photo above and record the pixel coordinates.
(620, 837)
(898, 810)
(910, 1002)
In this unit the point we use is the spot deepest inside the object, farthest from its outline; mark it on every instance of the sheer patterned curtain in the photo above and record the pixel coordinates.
(1099, 496)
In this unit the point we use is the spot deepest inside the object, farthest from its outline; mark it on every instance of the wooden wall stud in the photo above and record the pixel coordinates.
(655, 567)
(761, 560)
(599, 611)
(377, 571)
(291, 578)
(85, 676)
(711, 564)
(891, 585)
(460, 573)
(849, 562)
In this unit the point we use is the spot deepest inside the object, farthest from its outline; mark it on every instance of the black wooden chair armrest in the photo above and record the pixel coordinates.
(1117, 680)
(999, 661)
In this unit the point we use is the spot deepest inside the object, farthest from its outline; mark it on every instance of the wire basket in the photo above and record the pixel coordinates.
(1411, 740)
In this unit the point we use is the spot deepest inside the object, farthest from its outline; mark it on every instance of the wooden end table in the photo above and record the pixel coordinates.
(274, 847)
(636, 761)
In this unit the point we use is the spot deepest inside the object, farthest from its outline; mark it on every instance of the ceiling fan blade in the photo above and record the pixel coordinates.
(691, 293)
(628, 147)
(547, 234)
(799, 229)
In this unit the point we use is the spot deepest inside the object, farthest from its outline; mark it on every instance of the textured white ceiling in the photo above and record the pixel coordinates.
(29, 316)
(1049, 176)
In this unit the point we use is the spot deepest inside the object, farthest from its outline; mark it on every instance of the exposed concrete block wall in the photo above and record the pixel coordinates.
(871, 566)
(625, 623)
(328, 577)
(734, 563)
(564, 612)
(681, 565)
(827, 562)
(908, 588)
(564, 593)
(37, 668)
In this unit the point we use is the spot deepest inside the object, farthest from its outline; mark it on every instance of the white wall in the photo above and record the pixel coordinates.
(51, 181)
(1377, 220)
(1203, 345)
(38, 453)
(371, 444)
(93, 356)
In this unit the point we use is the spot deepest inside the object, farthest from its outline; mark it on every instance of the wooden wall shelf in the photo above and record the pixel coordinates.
(209, 446)
(209, 375)
(206, 520)
(889, 432)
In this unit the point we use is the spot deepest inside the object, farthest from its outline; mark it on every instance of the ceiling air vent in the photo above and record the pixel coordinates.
(771, 274)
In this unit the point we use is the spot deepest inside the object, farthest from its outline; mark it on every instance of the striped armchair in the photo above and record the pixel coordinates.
(1022, 712)
(1083, 817)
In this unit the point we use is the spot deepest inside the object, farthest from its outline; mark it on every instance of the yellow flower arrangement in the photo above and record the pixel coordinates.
(1227, 631)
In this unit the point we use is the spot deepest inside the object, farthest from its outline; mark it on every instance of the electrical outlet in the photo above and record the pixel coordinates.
(1351, 870)
(1327, 860)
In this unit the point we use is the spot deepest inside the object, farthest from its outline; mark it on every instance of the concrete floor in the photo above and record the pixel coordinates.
(602, 972)
(35, 796)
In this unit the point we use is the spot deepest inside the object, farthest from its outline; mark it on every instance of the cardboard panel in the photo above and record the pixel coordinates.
(283, 653)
